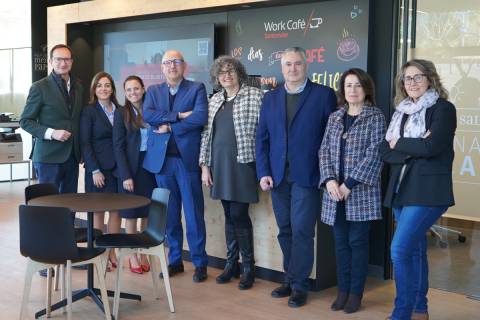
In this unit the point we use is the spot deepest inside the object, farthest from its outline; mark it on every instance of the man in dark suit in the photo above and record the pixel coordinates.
(290, 131)
(52, 116)
(177, 111)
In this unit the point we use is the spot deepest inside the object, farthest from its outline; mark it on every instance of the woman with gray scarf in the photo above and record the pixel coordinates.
(419, 148)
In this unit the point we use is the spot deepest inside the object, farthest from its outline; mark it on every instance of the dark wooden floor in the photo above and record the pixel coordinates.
(195, 301)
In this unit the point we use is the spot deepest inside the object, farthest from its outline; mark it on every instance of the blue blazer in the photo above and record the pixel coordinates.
(126, 146)
(96, 139)
(304, 138)
(191, 96)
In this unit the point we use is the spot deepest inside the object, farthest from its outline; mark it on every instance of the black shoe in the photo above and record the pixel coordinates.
(173, 269)
(340, 302)
(231, 270)
(247, 278)
(283, 291)
(245, 242)
(353, 303)
(43, 273)
(297, 299)
(200, 274)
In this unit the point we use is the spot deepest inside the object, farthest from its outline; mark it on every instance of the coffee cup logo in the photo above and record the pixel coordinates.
(348, 48)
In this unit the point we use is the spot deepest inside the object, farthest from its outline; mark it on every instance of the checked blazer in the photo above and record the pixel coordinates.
(246, 110)
(361, 162)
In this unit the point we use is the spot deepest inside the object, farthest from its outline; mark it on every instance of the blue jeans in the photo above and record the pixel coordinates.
(185, 189)
(296, 210)
(409, 257)
(351, 252)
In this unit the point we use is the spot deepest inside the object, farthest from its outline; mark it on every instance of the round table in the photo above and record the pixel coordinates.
(90, 202)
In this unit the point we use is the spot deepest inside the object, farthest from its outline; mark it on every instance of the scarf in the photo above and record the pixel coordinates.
(415, 125)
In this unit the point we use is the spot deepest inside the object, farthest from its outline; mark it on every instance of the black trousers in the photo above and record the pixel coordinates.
(236, 214)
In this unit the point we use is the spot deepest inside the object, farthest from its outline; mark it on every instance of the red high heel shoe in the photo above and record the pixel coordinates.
(138, 269)
(110, 266)
(145, 267)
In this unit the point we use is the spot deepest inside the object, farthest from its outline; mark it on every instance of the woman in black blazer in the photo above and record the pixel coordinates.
(96, 127)
(129, 146)
(419, 149)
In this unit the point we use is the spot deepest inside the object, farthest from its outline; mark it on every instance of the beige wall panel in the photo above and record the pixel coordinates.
(60, 16)
(267, 249)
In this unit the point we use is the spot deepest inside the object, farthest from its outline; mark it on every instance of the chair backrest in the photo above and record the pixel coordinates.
(47, 234)
(157, 215)
(39, 190)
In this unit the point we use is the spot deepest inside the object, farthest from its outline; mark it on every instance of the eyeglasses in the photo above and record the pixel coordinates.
(223, 73)
(171, 62)
(417, 78)
(59, 59)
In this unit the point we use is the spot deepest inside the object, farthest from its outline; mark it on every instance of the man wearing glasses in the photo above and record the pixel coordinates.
(176, 111)
(52, 116)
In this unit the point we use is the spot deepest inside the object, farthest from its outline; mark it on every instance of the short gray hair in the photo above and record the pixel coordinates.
(222, 61)
(300, 50)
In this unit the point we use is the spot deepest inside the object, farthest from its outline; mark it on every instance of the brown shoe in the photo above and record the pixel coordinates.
(419, 316)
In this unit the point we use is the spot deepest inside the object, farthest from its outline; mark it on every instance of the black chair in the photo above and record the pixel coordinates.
(47, 238)
(46, 189)
(149, 242)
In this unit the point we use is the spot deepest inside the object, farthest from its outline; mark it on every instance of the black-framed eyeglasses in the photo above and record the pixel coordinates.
(223, 73)
(60, 59)
(417, 78)
(170, 62)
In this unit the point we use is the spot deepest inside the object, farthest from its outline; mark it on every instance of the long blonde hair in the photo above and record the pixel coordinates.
(428, 69)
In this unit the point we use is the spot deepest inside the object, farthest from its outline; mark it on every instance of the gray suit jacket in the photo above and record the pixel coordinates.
(47, 108)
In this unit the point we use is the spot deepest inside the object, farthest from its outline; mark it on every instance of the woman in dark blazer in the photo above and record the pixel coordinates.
(96, 127)
(350, 169)
(419, 148)
(129, 146)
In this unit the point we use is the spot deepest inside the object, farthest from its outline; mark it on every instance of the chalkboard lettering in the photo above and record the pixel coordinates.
(315, 55)
(255, 54)
(296, 24)
(327, 79)
(269, 81)
(274, 26)
(276, 35)
(237, 52)
(274, 57)
(293, 24)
